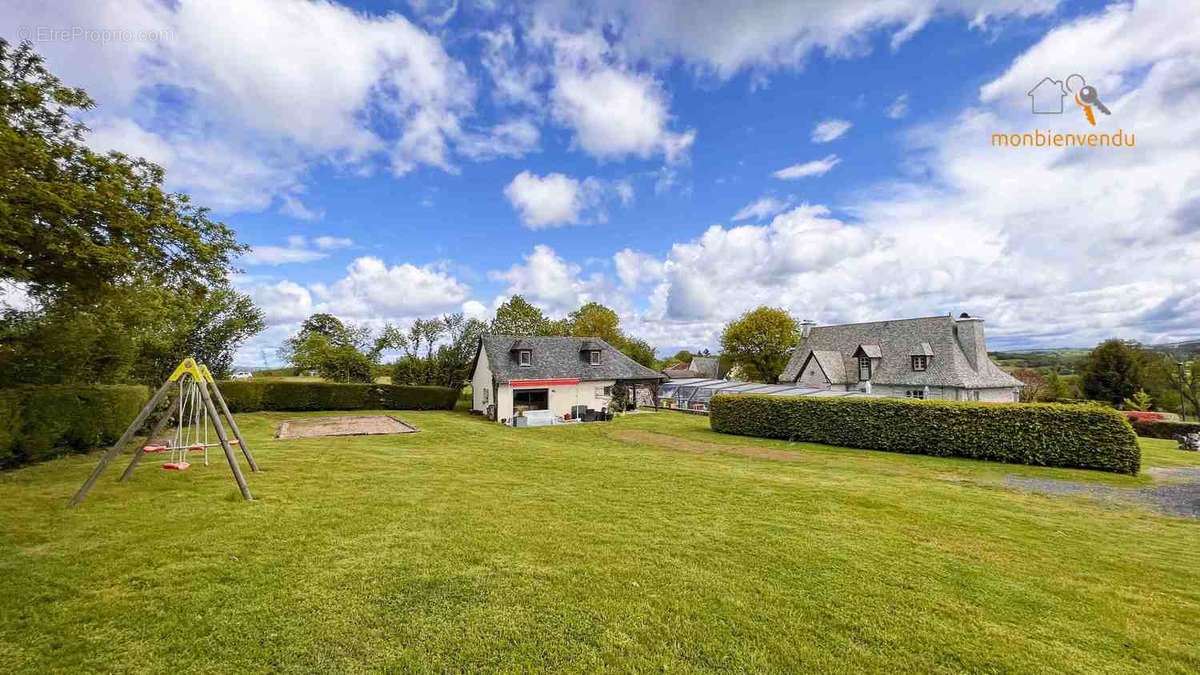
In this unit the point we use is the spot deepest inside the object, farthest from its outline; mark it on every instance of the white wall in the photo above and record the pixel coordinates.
(481, 384)
(562, 397)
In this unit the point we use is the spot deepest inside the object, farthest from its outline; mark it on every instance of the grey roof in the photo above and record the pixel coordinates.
(897, 341)
(559, 357)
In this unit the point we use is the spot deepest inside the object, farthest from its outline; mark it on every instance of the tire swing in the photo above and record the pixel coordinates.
(194, 407)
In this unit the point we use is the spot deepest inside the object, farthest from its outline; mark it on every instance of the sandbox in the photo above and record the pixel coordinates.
(349, 425)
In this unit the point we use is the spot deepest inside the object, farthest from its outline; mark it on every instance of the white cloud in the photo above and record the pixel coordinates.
(763, 207)
(816, 167)
(292, 206)
(723, 38)
(283, 302)
(237, 142)
(15, 296)
(1051, 246)
(636, 269)
(554, 284)
(616, 113)
(830, 130)
(898, 108)
(549, 201)
(298, 249)
(328, 243)
(514, 138)
(373, 290)
(513, 82)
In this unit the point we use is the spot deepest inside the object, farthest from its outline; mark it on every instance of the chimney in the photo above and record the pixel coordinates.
(969, 332)
(806, 327)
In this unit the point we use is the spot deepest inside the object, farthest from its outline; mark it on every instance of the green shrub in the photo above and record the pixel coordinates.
(53, 420)
(251, 396)
(1044, 434)
(10, 426)
(1164, 428)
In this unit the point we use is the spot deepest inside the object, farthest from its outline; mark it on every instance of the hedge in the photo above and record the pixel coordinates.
(1045, 434)
(252, 396)
(1164, 428)
(42, 422)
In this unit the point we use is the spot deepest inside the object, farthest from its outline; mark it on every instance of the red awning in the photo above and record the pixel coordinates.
(527, 384)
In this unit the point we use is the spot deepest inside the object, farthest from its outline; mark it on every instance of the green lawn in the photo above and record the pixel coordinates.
(647, 544)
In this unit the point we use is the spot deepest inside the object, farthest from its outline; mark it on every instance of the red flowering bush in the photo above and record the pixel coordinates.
(1144, 416)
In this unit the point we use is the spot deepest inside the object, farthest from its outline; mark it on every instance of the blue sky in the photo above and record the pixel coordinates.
(389, 160)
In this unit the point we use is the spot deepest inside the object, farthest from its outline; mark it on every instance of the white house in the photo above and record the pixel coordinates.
(513, 374)
(937, 357)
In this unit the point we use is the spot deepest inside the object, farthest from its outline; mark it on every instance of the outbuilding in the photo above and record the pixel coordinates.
(562, 375)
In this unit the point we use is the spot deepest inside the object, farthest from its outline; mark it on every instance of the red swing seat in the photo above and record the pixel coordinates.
(155, 448)
(176, 466)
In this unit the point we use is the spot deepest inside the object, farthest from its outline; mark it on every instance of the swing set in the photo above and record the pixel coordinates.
(192, 401)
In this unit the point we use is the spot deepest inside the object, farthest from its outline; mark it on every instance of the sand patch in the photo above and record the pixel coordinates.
(351, 425)
(701, 447)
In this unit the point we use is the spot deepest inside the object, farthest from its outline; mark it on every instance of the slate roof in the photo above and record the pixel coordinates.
(897, 341)
(559, 357)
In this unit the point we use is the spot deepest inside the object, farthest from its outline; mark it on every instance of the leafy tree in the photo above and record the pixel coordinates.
(761, 341)
(1140, 401)
(517, 317)
(74, 221)
(638, 350)
(124, 334)
(596, 320)
(1187, 382)
(1112, 372)
(1035, 384)
(682, 356)
(337, 351)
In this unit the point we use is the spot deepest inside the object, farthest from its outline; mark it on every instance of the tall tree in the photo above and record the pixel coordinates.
(517, 317)
(596, 320)
(73, 221)
(1112, 372)
(761, 341)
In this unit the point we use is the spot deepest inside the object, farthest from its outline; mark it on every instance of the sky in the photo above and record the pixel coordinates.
(679, 161)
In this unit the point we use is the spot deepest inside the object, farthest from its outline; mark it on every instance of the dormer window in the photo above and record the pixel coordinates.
(594, 357)
(920, 362)
(864, 368)
(525, 357)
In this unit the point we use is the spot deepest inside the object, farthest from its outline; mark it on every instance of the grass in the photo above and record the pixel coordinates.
(648, 543)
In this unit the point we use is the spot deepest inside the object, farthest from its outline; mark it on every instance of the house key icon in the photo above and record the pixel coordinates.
(1087, 98)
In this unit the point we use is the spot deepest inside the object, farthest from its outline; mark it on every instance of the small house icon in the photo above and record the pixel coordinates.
(1047, 97)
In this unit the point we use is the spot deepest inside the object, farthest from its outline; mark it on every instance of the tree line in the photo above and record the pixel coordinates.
(440, 350)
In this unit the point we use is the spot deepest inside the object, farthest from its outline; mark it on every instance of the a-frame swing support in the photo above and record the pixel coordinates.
(187, 368)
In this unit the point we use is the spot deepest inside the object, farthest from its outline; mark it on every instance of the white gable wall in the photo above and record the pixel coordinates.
(481, 385)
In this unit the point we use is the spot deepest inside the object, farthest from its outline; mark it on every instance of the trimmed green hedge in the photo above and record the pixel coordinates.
(252, 396)
(41, 422)
(1164, 428)
(1044, 434)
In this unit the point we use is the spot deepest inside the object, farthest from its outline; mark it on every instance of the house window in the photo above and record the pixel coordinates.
(920, 362)
(864, 368)
(915, 393)
(525, 357)
(594, 357)
(601, 392)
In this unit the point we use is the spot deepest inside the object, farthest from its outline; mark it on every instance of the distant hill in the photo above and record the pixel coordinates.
(1064, 360)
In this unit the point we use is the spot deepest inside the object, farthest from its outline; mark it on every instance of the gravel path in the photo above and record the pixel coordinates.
(1178, 491)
